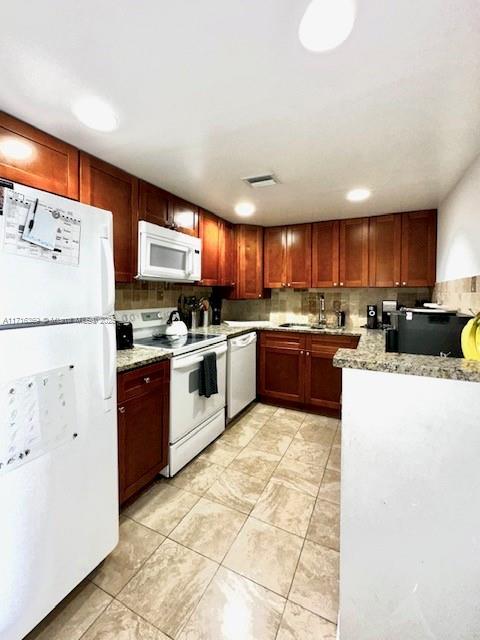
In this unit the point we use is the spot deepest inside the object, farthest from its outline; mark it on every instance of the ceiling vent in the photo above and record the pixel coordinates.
(266, 180)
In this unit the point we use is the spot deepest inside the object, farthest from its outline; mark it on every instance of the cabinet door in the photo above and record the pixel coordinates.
(227, 258)
(419, 246)
(323, 381)
(275, 257)
(210, 235)
(103, 185)
(299, 256)
(143, 431)
(249, 253)
(385, 244)
(34, 158)
(184, 215)
(282, 366)
(153, 204)
(325, 254)
(354, 252)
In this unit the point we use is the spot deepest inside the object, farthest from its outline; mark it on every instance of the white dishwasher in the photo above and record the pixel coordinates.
(241, 373)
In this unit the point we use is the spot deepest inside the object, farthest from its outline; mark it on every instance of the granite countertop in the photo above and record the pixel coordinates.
(370, 355)
(129, 359)
(233, 332)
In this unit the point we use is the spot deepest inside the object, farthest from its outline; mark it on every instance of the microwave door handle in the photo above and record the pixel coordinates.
(189, 269)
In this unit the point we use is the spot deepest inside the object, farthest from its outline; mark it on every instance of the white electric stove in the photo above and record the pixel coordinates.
(195, 421)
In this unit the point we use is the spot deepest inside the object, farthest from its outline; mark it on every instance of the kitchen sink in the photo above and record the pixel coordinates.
(292, 325)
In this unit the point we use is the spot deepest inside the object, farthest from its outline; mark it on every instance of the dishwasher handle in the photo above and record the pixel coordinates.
(244, 341)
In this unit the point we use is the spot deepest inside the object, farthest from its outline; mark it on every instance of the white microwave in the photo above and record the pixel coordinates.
(168, 255)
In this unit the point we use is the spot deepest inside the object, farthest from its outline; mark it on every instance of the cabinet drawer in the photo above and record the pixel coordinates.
(330, 342)
(282, 340)
(135, 383)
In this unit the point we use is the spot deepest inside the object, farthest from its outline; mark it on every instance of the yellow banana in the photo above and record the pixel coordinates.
(469, 339)
(477, 337)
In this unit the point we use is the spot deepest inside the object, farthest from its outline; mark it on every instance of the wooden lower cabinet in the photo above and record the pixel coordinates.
(297, 370)
(323, 381)
(143, 410)
(281, 366)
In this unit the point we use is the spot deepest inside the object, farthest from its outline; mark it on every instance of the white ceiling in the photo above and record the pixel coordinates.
(210, 91)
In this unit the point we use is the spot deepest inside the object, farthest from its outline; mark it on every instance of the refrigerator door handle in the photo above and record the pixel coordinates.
(108, 278)
(109, 361)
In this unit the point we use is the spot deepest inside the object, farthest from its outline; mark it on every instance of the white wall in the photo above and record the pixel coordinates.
(410, 512)
(458, 253)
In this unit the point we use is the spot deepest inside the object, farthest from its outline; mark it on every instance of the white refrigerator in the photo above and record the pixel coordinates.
(58, 430)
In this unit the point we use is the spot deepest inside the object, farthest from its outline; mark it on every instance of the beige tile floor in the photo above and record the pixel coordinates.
(243, 544)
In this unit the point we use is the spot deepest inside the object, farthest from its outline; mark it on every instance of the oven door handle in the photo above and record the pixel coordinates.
(185, 363)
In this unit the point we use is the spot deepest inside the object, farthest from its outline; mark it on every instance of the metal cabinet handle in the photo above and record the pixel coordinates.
(397, 284)
(404, 284)
(259, 295)
(335, 284)
(301, 352)
(341, 284)
(308, 353)
(289, 284)
(146, 380)
(121, 409)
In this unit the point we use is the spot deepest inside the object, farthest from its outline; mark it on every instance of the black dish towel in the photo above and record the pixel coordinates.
(207, 383)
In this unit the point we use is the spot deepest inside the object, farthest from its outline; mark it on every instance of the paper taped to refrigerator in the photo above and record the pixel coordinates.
(53, 236)
(37, 414)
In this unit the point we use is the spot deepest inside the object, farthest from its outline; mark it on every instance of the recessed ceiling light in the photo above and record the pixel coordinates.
(15, 149)
(358, 195)
(326, 24)
(244, 209)
(96, 114)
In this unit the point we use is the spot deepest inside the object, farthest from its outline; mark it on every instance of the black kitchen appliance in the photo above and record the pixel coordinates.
(388, 307)
(124, 332)
(216, 305)
(430, 333)
(372, 321)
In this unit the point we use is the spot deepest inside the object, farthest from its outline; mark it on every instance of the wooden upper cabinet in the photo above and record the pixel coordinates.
(275, 257)
(226, 250)
(103, 185)
(419, 246)
(210, 236)
(153, 204)
(299, 256)
(287, 256)
(183, 214)
(354, 252)
(47, 163)
(326, 254)
(385, 249)
(249, 262)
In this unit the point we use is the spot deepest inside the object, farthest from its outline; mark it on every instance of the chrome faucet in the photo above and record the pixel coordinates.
(322, 318)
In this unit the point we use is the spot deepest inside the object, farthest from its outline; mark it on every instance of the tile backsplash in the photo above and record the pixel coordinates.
(288, 305)
(462, 294)
(150, 295)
